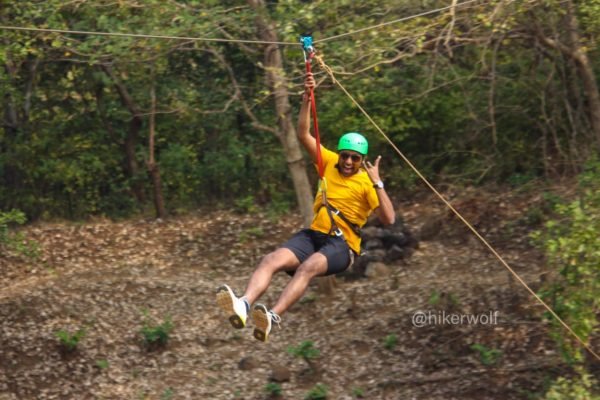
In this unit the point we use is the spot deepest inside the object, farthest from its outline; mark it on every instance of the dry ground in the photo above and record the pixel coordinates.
(110, 277)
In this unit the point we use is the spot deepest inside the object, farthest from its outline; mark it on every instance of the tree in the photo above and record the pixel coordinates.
(572, 46)
(286, 133)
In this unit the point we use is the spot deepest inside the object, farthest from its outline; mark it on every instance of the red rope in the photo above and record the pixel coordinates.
(313, 107)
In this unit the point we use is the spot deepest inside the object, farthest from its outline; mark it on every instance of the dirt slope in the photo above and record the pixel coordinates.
(110, 277)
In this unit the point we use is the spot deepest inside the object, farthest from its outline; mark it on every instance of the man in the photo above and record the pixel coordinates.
(332, 241)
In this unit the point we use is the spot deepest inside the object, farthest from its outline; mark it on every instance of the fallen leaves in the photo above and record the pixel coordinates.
(106, 276)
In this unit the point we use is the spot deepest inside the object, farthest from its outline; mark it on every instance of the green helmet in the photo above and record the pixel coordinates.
(354, 141)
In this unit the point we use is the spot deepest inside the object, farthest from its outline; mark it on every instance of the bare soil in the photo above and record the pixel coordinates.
(110, 278)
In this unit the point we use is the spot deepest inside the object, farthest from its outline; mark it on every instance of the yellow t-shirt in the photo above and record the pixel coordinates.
(354, 196)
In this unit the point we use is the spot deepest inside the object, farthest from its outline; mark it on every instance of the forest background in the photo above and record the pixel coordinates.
(481, 92)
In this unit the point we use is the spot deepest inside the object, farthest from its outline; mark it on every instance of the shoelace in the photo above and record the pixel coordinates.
(275, 318)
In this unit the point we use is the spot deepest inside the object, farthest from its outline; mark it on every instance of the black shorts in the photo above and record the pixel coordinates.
(335, 249)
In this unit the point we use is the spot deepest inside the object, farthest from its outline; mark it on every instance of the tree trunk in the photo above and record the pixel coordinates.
(15, 120)
(286, 133)
(135, 125)
(153, 168)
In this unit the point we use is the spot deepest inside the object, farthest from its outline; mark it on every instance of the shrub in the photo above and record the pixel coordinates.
(167, 394)
(570, 241)
(69, 341)
(319, 392)
(577, 388)
(273, 389)
(571, 244)
(390, 341)
(487, 356)
(307, 352)
(156, 335)
(16, 241)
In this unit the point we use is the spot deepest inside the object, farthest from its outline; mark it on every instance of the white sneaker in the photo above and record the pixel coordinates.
(263, 319)
(236, 308)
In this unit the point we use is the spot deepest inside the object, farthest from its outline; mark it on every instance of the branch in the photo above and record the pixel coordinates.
(122, 90)
(450, 28)
(151, 164)
(238, 93)
(247, 49)
(29, 88)
(103, 116)
(556, 45)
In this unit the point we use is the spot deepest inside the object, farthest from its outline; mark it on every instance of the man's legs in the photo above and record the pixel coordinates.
(263, 318)
(315, 265)
(237, 308)
(281, 259)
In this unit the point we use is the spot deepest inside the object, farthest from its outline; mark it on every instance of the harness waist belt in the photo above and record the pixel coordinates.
(331, 210)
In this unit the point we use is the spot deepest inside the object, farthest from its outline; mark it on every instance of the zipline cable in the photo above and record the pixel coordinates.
(329, 71)
(203, 39)
(141, 35)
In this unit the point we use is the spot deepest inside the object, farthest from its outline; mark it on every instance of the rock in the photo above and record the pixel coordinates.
(372, 232)
(394, 253)
(280, 373)
(248, 363)
(375, 255)
(377, 270)
(431, 228)
(395, 238)
(382, 244)
(373, 244)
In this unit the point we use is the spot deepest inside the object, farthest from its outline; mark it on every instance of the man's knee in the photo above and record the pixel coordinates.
(277, 259)
(312, 267)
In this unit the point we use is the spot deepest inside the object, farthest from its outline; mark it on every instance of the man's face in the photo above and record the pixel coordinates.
(349, 162)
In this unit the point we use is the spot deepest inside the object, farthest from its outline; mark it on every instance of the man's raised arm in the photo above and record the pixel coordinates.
(307, 140)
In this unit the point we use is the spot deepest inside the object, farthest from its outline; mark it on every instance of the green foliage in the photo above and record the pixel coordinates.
(358, 393)
(570, 241)
(16, 241)
(251, 233)
(579, 387)
(307, 352)
(390, 341)
(434, 298)
(69, 341)
(102, 364)
(167, 394)
(487, 356)
(437, 298)
(273, 389)
(245, 205)
(8, 218)
(318, 392)
(63, 154)
(156, 335)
